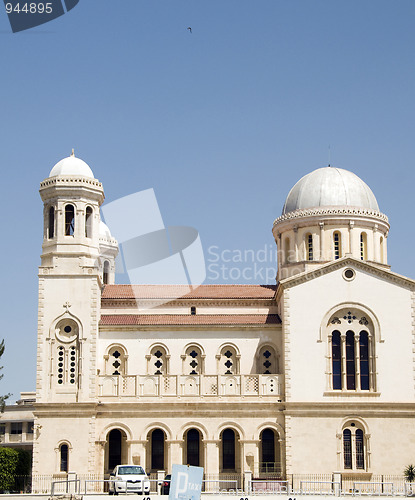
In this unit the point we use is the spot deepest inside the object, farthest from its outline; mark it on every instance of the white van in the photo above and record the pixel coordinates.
(129, 479)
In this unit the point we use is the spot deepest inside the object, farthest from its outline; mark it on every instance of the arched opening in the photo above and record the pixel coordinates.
(106, 273)
(268, 451)
(157, 361)
(309, 247)
(347, 448)
(193, 362)
(51, 223)
(116, 361)
(69, 220)
(228, 450)
(363, 246)
(337, 243)
(353, 447)
(351, 343)
(157, 450)
(336, 360)
(350, 361)
(193, 447)
(88, 222)
(64, 458)
(267, 361)
(228, 362)
(116, 448)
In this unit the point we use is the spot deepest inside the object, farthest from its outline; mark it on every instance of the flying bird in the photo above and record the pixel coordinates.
(190, 29)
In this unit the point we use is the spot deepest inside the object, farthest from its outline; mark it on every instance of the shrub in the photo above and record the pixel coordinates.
(409, 473)
(9, 459)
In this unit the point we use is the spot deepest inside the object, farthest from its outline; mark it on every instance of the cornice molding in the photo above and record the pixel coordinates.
(329, 211)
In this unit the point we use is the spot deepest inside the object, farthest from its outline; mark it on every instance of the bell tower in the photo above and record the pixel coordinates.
(70, 281)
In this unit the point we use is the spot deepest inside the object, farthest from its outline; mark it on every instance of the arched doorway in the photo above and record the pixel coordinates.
(269, 452)
(193, 448)
(116, 449)
(229, 451)
(157, 454)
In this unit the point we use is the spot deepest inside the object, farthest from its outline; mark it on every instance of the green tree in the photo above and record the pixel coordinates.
(9, 459)
(2, 398)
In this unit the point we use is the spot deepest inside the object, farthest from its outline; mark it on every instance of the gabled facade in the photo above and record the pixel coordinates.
(312, 375)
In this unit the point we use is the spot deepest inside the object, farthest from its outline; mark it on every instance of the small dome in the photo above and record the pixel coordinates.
(71, 166)
(327, 187)
(104, 231)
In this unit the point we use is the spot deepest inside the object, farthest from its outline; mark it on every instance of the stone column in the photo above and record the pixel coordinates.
(211, 458)
(296, 243)
(321, 256)
(351, 237)
(138, 453)
(343, 354)
(176, 453)
(357, 360)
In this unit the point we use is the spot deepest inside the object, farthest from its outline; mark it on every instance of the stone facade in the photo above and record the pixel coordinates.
(312, 375)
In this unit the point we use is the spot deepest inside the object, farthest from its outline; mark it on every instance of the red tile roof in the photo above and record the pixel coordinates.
(186, 319)
(182, 291)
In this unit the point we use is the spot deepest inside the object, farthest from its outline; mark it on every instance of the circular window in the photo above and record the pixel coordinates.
(66, 330)
(349, 274)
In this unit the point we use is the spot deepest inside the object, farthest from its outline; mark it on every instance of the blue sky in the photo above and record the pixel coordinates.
(221, 122)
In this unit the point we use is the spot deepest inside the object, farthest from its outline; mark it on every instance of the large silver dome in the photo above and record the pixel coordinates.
(327, 187)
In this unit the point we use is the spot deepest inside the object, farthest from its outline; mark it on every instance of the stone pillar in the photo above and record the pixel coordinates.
(211, 457)
(321, 256)
(343, 354)
(176, 453)
(247, 482)
(160, 477)
(296, 243)
(351, 237)
(138, 453)
(357, 360)
(337, 481)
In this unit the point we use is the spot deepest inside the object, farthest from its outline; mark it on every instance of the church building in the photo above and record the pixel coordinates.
(315, 374)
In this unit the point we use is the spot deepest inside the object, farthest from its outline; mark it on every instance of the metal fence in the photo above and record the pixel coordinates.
(299, 484)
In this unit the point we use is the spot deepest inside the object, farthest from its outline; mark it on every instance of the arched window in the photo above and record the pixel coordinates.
(267, 360)
(106, 272)
(351, 349)
(193, 361)
(115, 442)
(350, 361)
(116, 361)
(51, 223)
(157, 449)
(268, 461)
(157, 361)
(309, 247)
(353, 447)
(69, 220)
(88, 222)
(347, 448)
(228, 362)
(193, 447)
(363, 246)
(337, 360)
(64, 458)
(337, 244)
(228, 449)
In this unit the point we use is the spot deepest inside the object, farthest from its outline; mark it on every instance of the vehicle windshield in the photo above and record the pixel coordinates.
(131, 469)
